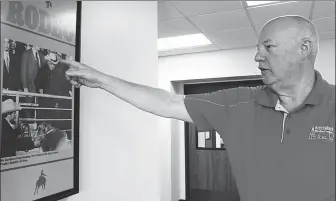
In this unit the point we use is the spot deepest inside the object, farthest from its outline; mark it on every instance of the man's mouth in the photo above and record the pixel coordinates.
(261, 65)
(264, 70)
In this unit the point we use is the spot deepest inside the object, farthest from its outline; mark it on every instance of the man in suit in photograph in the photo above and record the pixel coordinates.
(32, 61)
(11, 68)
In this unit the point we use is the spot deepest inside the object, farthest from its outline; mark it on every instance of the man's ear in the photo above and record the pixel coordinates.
(306, 47)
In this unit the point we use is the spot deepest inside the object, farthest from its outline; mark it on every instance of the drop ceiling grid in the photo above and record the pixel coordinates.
(199, 8)
(216, 21)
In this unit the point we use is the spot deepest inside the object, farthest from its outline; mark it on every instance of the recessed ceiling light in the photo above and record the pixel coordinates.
(193, 40)
(257, 3)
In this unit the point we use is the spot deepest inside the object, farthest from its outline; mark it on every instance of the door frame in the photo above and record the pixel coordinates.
(186, 124)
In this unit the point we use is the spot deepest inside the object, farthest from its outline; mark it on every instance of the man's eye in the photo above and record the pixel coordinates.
(269, 46)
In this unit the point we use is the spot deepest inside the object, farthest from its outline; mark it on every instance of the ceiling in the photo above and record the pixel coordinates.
(231, 24)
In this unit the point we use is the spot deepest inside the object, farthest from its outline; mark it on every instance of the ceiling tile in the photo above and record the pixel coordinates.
(233, 38)
(191, 8)
(260, 15)
(324, 9)
(167, 11)
(325, 24)
(327, 35)
(188, 50)
(176, 27)
(239, 45)
(221, 21)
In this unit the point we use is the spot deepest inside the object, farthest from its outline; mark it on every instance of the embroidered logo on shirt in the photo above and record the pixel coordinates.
(325, 133)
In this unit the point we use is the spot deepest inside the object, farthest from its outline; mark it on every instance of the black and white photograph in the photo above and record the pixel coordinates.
(39, 125)
(37, 100)
(168, 100)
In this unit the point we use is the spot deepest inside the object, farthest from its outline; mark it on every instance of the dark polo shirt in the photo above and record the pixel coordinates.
(274, 156)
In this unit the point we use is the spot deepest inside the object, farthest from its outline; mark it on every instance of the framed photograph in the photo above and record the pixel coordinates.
(40, 108)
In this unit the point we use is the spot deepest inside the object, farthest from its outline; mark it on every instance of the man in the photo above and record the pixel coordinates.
(31, 62)
(11, 69)
(50, 78)
(279, 137)
(9, 131)
(42, 174)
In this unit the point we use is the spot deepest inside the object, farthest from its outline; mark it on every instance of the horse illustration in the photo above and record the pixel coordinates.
(41, 182)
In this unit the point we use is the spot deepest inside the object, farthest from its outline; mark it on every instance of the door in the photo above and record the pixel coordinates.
(208, 170)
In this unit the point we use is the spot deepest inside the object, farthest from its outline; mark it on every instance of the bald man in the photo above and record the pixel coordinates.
(279, 137)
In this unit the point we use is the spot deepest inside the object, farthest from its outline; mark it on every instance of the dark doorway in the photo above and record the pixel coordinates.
(208, 170)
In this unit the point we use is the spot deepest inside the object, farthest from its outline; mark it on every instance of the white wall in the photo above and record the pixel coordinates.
(213, 65)
(118, 143)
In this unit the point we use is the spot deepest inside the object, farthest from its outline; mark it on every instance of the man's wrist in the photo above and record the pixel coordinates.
(104, 81)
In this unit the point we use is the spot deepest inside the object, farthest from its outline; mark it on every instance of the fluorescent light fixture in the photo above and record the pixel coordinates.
(257, 3)
(185, 41)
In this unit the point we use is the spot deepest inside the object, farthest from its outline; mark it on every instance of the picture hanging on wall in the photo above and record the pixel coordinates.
(40, 108)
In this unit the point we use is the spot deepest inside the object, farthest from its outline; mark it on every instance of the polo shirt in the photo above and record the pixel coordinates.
(275, 155)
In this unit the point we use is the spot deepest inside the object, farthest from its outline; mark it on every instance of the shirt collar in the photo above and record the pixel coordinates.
(267, 97)
(11, 125)
(34, 50)
(279, 107)
(319, 90)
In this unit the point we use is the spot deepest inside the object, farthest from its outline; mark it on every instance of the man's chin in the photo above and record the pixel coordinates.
(267, 81)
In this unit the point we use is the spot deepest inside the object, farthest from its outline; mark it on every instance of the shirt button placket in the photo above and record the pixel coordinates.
(287, 131)
(284, 128)
(286, 125)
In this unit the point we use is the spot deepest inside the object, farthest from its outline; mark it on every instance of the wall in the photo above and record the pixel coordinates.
(213, 65)
(118, 143)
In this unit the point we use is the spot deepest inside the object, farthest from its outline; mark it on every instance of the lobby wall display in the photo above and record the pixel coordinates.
(40, 108)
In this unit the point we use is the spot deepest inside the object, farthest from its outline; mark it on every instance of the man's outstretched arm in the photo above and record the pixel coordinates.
(149, 99)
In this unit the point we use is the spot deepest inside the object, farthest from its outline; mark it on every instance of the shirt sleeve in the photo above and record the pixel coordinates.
(209, 110)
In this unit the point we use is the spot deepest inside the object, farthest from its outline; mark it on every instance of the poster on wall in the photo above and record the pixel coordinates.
(40, 108)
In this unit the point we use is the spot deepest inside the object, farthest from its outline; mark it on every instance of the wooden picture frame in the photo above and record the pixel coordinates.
(44, 166)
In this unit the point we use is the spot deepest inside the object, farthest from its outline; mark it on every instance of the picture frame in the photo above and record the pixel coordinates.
(44, 166)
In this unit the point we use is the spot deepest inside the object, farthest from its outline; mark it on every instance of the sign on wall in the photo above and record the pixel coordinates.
(40, 108)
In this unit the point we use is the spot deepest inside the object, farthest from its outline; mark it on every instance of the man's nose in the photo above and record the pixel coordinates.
(258, 57)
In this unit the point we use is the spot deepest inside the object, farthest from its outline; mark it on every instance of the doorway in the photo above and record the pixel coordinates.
(208, 170)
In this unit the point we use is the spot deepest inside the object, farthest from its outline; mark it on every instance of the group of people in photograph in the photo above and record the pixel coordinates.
(33, 69)
(16, 139)
(28, 72)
